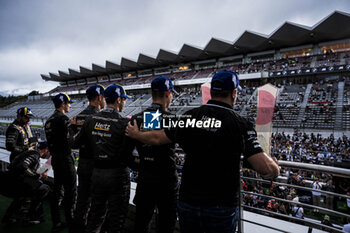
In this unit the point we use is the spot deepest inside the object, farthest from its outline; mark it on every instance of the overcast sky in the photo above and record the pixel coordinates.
(40, 36)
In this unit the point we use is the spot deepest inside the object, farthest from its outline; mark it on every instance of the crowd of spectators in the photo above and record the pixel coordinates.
(271, 64)
(311, 148)
(186, 97)
(243, 98)
(323, 93)
(271, 197)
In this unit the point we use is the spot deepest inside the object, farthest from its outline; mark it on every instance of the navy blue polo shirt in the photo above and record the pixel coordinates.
(210, 175)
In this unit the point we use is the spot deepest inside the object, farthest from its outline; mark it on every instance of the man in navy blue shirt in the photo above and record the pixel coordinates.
(213, 138)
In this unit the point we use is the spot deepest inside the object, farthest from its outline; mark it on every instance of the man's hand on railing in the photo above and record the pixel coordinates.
(266, 166)
(273, 175)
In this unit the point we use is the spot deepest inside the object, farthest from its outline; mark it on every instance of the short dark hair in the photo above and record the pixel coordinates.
(158, 94)
(92, 97)
(58, 104)
(220, 94)
(110, 100)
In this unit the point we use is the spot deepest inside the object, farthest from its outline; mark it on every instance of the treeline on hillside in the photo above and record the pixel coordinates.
(6, 100)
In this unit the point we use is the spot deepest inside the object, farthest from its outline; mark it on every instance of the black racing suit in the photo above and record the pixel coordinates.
(157, 182)
(103, 133)
(85, 167)
(26, 182)
(17, 139)
(56, 130)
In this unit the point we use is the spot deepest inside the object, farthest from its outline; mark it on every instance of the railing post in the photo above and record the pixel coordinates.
(240, 217)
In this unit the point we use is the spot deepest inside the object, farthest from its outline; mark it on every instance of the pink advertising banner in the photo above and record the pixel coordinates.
(266, 104)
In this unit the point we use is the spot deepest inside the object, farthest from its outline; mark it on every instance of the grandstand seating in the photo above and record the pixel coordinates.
(346, 105)
(42, 109)
(283, 64)
(315, 106)
(242, 100)
(288, 106)
(321, 107)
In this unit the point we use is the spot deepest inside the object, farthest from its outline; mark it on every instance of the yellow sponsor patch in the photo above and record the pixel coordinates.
(102, 126)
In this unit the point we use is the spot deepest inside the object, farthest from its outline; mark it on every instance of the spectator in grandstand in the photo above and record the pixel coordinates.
(329, 198)
(346, 227)
(348, 202)
(103, 134)
(56, 130)
(310, 148)
(272, 206)
(283, 208)
(298, 212)
(294, 196)
(326, 221)
(210, 187)
(18, 133)
(157, 178)
(316, 196)
(95, 95)
(261, 200)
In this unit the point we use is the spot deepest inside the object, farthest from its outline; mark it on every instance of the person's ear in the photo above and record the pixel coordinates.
(167, 93)
(234, 93)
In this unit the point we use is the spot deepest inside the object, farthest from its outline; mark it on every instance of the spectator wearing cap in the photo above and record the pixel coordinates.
(208, 201)
(327, 221)
(95, 95)
(56, 130)
(18, 133)
(157, 178)
(110, 180)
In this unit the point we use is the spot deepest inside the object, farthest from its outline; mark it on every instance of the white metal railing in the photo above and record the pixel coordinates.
(345, 173)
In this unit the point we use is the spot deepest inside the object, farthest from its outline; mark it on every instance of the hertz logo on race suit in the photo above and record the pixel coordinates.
(100, 126)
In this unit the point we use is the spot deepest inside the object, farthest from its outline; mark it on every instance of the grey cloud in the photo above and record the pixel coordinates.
(45, 36)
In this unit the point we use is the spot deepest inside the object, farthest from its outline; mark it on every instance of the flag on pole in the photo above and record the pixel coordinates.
(205, 92)
(266, 104)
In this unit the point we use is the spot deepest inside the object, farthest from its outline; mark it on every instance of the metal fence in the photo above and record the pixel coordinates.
(345, 173)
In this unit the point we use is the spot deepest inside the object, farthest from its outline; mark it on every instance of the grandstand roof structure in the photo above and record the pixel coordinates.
(335, 26)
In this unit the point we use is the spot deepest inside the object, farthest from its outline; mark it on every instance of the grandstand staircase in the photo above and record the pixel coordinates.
(248, 68)
(342, 60)
(195, 75)
(250, 100)
(280, 90)
(136, 102)
(147, 102)
(339, 111)
(303, 105)
(313, 62)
